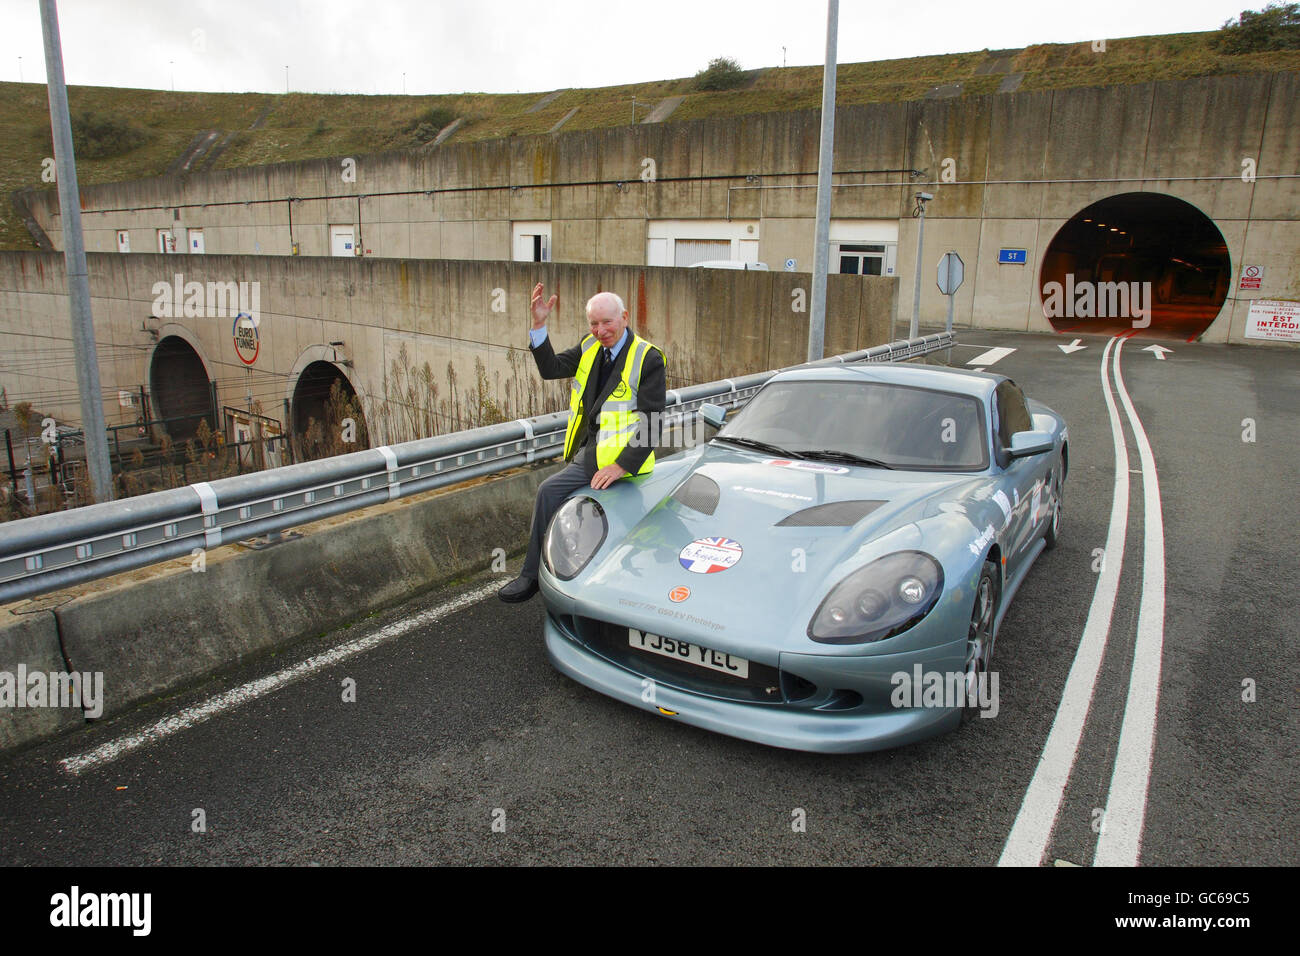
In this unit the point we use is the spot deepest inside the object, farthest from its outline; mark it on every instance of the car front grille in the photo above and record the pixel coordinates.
(765, 684)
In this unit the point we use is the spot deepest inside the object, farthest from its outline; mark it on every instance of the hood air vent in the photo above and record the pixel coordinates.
(698, 493)
(836, 514)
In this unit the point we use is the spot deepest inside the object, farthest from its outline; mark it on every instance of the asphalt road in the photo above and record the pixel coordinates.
(459, 722)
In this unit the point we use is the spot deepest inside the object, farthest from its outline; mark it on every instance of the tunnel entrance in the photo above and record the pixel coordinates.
(180, 387)
(323, 400)
(1131, 257)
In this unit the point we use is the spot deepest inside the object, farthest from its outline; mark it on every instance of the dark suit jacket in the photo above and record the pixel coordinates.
(649, 398)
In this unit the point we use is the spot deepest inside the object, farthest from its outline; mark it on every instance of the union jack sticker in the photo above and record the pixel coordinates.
(707, 555)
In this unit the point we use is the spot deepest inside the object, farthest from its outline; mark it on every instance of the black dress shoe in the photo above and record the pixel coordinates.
(518, 590)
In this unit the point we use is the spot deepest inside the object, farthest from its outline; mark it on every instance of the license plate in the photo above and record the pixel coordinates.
(690, 653)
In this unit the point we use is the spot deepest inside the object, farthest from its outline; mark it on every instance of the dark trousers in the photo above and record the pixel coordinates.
(552, 493)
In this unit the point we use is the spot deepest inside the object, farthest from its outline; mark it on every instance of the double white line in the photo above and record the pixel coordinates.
(1120, 840)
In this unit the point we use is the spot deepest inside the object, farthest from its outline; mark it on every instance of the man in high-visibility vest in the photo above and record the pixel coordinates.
(618, 380)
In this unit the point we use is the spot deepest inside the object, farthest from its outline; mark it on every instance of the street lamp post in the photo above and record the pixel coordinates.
(921, 200)
(74, 253)
(821, 237)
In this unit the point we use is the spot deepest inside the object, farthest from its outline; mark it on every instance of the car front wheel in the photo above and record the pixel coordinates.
(1053, 532)
(979, 640)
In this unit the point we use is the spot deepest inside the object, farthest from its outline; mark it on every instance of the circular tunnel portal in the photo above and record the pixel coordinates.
(322, 399)
(180, 388)
(1131, 257)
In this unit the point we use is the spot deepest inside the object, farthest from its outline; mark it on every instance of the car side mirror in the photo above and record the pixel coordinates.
(713, 414)
(1024, 444)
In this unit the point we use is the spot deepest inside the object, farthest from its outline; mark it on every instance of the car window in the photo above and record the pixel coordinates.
(902, 426)
(1011, 414)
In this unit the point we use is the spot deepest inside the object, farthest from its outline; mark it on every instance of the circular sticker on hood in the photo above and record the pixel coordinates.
(707, 555)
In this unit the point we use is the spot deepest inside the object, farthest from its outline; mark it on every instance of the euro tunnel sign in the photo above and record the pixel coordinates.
(951, 272)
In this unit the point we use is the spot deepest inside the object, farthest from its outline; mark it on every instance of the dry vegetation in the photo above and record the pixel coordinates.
(305, 125)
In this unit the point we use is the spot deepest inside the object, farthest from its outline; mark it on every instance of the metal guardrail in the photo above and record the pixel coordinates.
(53, 551)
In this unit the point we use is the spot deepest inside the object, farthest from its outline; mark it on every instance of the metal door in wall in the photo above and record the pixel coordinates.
(342, 242)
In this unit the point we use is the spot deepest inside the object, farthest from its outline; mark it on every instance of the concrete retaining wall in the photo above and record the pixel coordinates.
(153, 631)
(30, 637)
(1006, 170)
(452, 314)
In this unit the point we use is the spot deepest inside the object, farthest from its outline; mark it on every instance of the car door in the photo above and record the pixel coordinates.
(1024, 478)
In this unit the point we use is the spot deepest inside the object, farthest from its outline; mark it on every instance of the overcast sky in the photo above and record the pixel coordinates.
(507, 46)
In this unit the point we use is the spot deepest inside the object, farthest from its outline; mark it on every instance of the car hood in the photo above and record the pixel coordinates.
(759, 541)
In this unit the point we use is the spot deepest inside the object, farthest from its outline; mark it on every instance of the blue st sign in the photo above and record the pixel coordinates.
(1012, 255)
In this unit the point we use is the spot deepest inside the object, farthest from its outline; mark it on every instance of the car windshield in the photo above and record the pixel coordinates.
(895, 425)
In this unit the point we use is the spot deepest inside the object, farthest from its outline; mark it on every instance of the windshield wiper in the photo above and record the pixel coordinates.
(834, 454)
(757, 445)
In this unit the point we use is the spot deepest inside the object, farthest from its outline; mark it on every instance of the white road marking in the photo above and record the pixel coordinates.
(1120, 842)
(1159, 351)
(231, 699)
(991, 356)
(1072, 347)
(1027, 842)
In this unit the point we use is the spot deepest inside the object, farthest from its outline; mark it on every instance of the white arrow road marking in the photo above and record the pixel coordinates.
(1072, 347)
(991, 356)
(1121, 834)
(1027, 842)
(231, 699)
(1160, 351)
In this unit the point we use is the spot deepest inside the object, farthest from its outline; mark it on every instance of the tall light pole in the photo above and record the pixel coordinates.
(286, 78)
(921, 200)
(20, 69)
(822, 239)
(172, 63)
(74, 254)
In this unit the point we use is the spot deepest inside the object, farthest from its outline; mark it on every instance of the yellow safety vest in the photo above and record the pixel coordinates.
(618, 419)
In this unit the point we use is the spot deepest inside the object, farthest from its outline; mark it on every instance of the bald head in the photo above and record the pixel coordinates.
(605, 303)
(607, 317)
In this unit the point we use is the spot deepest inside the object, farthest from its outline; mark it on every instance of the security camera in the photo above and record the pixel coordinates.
(925, 197)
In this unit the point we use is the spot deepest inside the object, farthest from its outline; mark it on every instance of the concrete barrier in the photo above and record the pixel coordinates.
(153, 631)
(29, 645)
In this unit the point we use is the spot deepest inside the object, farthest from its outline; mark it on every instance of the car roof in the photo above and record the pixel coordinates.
(959, 381)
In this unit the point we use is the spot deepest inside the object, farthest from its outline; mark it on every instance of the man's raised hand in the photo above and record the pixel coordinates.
(541, 306)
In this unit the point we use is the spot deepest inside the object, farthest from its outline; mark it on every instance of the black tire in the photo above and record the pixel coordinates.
(1053, 532)
(979, 637)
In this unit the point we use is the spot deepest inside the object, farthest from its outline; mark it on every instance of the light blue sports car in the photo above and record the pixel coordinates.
(828, 573)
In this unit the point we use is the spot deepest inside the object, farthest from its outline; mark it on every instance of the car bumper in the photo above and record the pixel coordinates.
(773, 724)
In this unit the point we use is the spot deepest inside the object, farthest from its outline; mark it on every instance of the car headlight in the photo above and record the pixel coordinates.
(884, 598)
(576, 533)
